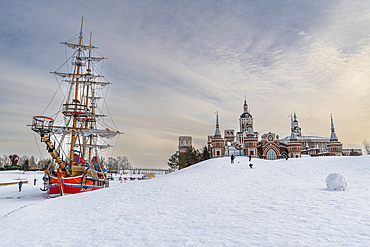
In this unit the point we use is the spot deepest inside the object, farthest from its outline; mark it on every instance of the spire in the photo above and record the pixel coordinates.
(245, 106)
(217, 132)
(333, 136)
(297, 129)
(295, 123)
(293, 135)
(249, 132)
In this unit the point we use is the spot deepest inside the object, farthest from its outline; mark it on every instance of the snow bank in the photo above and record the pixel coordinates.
(336, 181)
(213, 203)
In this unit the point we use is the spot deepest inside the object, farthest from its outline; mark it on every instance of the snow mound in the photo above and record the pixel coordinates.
(336, 181)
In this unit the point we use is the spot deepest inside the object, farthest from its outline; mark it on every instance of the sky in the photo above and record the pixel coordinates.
(173, 64)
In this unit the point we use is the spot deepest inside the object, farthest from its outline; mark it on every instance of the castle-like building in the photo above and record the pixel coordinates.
(245, 142)
(184, 143)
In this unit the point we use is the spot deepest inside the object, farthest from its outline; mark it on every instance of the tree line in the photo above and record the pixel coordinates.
(30, 163)
(190, 157)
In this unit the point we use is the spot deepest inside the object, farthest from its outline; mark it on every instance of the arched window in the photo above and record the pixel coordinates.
(271, 155)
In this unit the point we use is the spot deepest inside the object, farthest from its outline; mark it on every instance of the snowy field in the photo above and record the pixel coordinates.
(213, 203)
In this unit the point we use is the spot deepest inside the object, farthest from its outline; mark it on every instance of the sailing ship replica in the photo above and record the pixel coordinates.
(82, 133)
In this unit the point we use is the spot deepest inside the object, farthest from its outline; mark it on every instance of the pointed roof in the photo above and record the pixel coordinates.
(333, 136)
(245, 113)
(245, 106)
(217, 132)
(293, 135)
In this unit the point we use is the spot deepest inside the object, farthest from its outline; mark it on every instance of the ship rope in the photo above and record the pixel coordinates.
(115, 144)
(52, 98)
(62, 139)
(59, 87)
(74, 37)
(102, 66)
(37, 144)
(85, 38)
(106, 106)
(66, 62)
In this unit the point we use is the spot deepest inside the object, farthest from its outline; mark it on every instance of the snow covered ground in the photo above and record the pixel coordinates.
(213, 203)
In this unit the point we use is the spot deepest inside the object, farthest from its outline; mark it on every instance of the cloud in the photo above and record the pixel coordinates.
(173, 64)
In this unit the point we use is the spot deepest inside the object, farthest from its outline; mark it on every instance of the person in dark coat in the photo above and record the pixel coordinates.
(20, 185)
(232, 159)
(250, 158)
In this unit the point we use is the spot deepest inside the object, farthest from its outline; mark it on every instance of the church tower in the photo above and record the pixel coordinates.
(245, 106)
(297, 129)
(184, 143)
(250, 141)
(244, 123)
(218, 144)
(293, 146)
(334, 147)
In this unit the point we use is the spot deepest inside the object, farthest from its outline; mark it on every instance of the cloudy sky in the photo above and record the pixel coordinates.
(174, 63)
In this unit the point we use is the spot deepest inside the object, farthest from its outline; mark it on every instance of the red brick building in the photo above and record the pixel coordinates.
(270, 146)
(184, 143)
(217, 143)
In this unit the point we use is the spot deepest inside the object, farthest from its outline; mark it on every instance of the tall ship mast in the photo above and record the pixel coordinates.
(77, 133)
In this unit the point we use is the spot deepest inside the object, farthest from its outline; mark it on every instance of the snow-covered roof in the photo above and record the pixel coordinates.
(308, 138)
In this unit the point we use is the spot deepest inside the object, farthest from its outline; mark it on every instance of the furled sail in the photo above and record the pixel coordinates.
(93, 146)
(83, 47)
(87, 132)
(87, 76)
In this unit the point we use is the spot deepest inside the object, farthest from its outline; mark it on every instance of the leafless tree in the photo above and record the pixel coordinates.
(111, 164)
(4, 161)
(123, 163)
(33, 163)
(366, 144)
(43, 164)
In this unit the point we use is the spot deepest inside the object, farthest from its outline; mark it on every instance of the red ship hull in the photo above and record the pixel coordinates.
(73, 185)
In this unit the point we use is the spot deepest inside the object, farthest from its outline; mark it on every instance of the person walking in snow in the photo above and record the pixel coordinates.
(250, 158)
(34, 181)
(20, 185)
(232, 159)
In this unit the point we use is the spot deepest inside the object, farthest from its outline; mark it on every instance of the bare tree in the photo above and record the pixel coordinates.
(112, 165)
(26, 165)
(22, 159)
(5, 160)
(2, 162)
(33, 163)
(123, 163)
(366, 144)
(43, 164)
